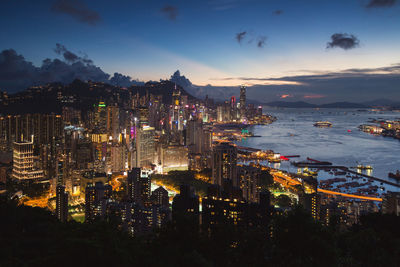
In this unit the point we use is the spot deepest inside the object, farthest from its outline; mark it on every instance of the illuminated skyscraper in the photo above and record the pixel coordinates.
(242, 102)
(23, 162)
(96, 198)
(224, 160)
(250, 183)
(61, 203)
(101, 117)
(145, 147)
(113, 122)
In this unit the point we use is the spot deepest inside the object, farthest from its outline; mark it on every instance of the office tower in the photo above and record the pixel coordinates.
(259, 110)
(96, 198)
(250, 183)
(60, 170)
(194, 136)
(143, 116)
(84, 153)
(242, 102)
(160, 197)
(176, 111)
(185, 206)
(100, 117)
(113, 122)
(391, 203)
(23, 162)
(61, 203)
(224, 159)
(145, 147)
(118, 158)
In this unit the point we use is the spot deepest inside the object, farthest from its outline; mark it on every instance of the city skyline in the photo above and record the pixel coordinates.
(312, 51)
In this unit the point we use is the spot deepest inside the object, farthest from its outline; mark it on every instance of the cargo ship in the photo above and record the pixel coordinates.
(323, 124)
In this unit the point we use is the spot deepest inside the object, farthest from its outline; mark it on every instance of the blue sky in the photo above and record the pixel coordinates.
(138, 39)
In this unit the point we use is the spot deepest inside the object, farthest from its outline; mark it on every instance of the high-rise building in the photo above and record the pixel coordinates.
(310, 199)
(185, 206)
(61, 203)
(160, 197)
(220, 208)
(113, 121)
(96, 198)
(39, 128)
(133, 181)
(139, 186)
(145, 147)
(391, 203)
(242, 102)
(100, 117)
(224, 164)
(23, 162)
(250, 182)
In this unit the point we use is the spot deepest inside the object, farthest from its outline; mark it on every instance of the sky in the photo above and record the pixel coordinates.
(279, 44)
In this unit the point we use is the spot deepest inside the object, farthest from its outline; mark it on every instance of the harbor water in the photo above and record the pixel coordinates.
(342, 144)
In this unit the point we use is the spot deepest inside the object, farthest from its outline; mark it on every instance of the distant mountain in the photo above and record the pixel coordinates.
(302, 104)
(343, 105)
(382, 102)
(298, 104)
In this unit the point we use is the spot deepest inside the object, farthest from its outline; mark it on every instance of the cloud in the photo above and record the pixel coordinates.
(240, 36)
(352, 85)
(261, 41)
(16, 73)
(68, 55)
(278, 12)
(285, 96)
(171, 12)
(78, 10)
(180, 80)
(381, 3)
(344, 41)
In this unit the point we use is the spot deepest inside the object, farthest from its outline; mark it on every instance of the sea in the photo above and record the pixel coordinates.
(342, 144)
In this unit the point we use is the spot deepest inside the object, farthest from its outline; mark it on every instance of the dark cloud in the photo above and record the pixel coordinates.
(240, 36)
(78, 10)
(180, 80)
(171, 12)
(381, 3)
(261, 41)
(68, 55)
(123, 80)
(17, 74)
(344, 41)
(278, 12)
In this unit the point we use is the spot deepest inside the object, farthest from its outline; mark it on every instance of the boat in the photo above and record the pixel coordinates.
(394, 175)
(364, 167)
(323, 124)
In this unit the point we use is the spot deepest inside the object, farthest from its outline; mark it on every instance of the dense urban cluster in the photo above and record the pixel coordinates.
(137, 158)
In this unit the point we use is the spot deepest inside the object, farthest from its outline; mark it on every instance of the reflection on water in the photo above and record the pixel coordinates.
(342, 144)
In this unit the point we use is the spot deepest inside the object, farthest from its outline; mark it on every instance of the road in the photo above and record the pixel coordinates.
(288, 181)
